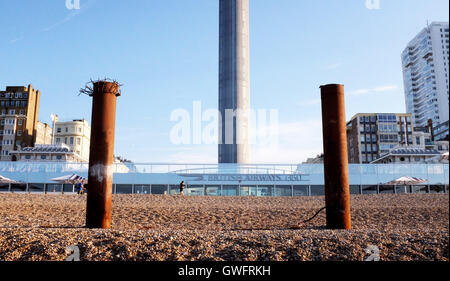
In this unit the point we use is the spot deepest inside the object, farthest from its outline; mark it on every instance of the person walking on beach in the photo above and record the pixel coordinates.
(182, 186)
(85, 186)
(79, 187)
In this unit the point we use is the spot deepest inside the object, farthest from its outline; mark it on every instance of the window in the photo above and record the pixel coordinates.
(58, 130)
(43, 157)
(79, 129)
(71, 140)
(78, 141)
(65, 140)
(59, 157)
(20, 122)
(58, 140)
(67, 129)
(19, 133)
(28, 157)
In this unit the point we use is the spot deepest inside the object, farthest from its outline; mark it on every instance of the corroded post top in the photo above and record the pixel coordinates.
(106, 87)
(331, 86)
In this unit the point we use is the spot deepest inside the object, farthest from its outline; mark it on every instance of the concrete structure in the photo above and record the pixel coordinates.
(407, 155)
(441, 146)
(425, 64)
(316, 160)
(43, 133)
(234, 82)
(48, 152)
(370, 135)
(19, 110)
(441, 131)
(76, 134)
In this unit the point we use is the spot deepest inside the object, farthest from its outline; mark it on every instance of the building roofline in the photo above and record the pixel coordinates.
(377, 113)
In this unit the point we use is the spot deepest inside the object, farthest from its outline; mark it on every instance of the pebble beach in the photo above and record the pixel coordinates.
(406, 227)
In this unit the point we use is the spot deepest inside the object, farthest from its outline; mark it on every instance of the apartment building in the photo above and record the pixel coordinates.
(76, 134)
(43, 133)
(19, 109)
(425, 63)
(371, 135)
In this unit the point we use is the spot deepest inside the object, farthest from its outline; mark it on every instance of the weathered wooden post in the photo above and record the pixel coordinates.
(337, 191)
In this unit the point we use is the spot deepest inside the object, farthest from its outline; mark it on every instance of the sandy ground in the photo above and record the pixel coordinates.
(155, 228)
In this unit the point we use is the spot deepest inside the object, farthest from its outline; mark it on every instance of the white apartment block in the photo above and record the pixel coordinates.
(425, 64)
(76, 134)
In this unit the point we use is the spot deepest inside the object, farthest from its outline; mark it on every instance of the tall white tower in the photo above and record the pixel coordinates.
(234, 82)
(426, 75)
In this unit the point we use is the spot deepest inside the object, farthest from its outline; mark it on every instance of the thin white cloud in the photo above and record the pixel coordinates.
(70, 16)
(379, 89)
(297, 141)
(200, 154)
(332, 66)
(16, 39)
(386, 88)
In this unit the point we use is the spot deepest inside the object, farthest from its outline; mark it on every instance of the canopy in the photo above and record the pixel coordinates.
(69, 179)
(6, 180)
(407, 181)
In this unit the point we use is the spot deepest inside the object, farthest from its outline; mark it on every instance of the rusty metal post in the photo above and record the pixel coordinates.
(101, 157)
(337, 191)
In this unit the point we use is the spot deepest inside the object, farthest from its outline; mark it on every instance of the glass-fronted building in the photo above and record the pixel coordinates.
(226, 179)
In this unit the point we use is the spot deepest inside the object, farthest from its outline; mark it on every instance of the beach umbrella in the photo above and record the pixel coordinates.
(445, 156)
(6, 180)
(406, 181)
(69, 179)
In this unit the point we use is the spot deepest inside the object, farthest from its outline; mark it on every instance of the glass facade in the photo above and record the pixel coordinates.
(228, 179)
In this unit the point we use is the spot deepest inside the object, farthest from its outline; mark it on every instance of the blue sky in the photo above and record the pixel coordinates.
(165, 52)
